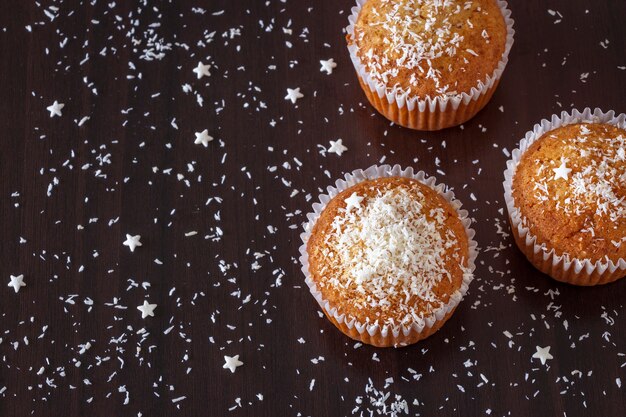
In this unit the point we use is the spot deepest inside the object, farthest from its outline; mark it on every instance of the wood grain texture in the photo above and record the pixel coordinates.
(123, 167)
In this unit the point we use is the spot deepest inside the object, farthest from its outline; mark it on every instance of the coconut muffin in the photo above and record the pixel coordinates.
(570, 190)
(430, 50)
(390, 254)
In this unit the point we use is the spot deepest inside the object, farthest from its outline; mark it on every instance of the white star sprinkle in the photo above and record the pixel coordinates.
(232, 363)
(132, 242)
(293, 94)
(203, 138)
(354, 201)
(328, 65)
(562, 171)
(337, 147)
(17, 282)
(146, 309)
(55, 109)
(543, 354)
(201, 70)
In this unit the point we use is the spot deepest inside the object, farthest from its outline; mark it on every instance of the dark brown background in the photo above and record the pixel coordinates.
(583, 326)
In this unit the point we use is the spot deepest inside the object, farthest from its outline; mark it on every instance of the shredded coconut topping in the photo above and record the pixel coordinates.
(417, 33)
(595, 172)
(391, 251)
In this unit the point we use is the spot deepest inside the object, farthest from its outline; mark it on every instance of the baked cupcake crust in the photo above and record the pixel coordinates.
(391, 254)
(430, 48)
(570, 189)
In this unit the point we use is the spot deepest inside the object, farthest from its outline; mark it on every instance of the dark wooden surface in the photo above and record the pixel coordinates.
(126, 170)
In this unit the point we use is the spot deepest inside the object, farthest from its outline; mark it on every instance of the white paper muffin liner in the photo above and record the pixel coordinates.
(560, 267)
(429, 113)
(387, 335)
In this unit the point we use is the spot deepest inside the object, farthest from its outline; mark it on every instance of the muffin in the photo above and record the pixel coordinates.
(565, 190)
(428, 64)
(389, 256)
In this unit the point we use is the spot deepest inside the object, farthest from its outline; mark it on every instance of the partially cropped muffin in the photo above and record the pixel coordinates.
(429, 64)
(389, 259)
(568, 195)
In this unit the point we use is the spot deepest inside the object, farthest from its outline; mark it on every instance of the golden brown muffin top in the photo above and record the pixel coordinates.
(388, 251)
(570, 188)
(430, 47)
